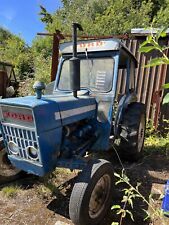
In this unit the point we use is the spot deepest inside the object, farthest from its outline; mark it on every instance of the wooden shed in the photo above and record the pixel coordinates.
(149, 81)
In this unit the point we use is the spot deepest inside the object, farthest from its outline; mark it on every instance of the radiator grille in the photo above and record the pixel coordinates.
(23, 138)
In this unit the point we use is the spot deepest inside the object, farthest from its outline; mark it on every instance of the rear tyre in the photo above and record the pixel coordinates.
(8, 172)
(133, 132)
(92, 193)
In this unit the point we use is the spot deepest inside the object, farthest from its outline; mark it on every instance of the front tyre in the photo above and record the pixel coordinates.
(91, 196)
(8, 172)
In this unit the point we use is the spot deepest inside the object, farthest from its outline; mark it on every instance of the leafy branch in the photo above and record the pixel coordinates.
(130, 194)
(151, 44)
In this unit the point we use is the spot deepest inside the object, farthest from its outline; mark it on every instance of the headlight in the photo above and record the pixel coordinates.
(13, 147)
(32, 152)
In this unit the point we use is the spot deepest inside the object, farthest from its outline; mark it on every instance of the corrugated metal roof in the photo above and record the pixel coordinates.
(142, 31)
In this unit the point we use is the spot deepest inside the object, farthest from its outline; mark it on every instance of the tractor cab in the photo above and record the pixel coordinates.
(101, 62)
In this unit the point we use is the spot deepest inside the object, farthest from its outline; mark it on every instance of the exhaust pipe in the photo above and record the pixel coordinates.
(74, 62)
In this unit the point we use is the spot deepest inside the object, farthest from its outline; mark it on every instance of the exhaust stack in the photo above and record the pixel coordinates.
(74, 62)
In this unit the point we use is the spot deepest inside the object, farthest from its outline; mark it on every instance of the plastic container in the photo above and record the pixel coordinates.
(165, 203)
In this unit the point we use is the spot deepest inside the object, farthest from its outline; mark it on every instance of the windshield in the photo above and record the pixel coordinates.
(95, 74)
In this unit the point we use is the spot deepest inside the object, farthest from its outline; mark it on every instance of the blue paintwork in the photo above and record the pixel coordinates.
(104, 128)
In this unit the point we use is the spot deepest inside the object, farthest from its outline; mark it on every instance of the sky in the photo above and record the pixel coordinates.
(21, 16)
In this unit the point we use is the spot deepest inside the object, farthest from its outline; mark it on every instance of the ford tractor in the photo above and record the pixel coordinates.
(79, 118)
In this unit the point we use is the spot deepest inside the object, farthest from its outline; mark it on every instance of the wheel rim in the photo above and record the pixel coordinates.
(6, 168)
(99, 196)
(141, 132)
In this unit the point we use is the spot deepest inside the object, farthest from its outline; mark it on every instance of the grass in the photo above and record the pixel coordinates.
(10, 191)
(44, 191)
(54, 183)
(156, 143)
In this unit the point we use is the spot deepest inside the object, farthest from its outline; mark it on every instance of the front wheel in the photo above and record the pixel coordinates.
(8, 172)
(92, 193)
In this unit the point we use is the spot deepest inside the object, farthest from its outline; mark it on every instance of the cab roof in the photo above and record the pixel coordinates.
(99, 45)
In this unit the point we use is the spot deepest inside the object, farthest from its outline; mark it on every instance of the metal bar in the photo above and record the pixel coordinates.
(55, 57)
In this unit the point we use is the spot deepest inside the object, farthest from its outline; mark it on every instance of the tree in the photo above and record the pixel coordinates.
(4, 34)
(14, 50)
(45, 16)
(80, 11)
(121, 16)
(101, 17)
(42, 45)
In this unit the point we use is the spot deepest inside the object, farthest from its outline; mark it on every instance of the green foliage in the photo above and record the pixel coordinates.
(120, 16)
(166, 86)
(42, 68)
(166, 98)
(4, 34)
(101, 17)
(80, 11)
(162, 14)
(150, 129)
(45, 16)
(152, 44)
(157, 143)
(42, 45)
(14, 50)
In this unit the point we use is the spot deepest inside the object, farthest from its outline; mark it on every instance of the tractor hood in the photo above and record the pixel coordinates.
(49, 112)
(31, 123)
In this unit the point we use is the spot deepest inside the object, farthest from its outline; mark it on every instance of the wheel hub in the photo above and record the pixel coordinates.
(141, 132)
(99, 196)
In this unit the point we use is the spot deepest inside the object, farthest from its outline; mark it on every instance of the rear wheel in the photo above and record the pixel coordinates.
(8, 172)
(92, 193)
(133, 132)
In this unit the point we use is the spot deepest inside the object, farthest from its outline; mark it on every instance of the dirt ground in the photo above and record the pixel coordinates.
(45, 201)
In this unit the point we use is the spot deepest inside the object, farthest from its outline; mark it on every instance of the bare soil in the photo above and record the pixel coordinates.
(44, 201)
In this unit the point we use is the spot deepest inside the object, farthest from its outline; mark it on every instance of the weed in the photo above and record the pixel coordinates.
(157, 143)
(43, 191)
(130, 194)
(150, 129)
(10, 191)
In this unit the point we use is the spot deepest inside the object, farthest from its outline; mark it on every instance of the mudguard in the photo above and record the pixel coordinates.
(126, 100)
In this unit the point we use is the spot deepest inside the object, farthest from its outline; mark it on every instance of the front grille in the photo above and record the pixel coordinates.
(23, 138)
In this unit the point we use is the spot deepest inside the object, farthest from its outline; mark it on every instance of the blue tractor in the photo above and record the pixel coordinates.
(79, 118)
